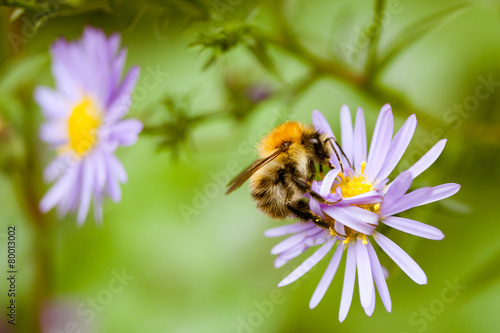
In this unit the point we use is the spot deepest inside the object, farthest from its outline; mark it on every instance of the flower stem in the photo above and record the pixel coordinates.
(361, 82)
(29, 5)
(28, 180)
(371, 60)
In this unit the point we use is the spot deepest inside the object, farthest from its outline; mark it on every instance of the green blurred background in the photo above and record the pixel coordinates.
(196, 260)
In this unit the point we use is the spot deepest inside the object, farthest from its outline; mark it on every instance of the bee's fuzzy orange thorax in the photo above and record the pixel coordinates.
(291, 131)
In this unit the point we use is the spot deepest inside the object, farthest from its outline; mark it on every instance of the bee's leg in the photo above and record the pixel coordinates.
(312, 170)
(302, 211)
(305, 187)
(322, 199)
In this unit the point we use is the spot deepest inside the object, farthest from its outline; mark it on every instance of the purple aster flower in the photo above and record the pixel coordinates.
(368, 198)
(84, 122)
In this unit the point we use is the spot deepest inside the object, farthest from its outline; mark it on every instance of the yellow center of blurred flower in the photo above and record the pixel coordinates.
(82, 126)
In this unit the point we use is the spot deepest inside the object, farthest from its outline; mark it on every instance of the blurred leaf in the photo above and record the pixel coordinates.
(11, 109)
(14, 75)
(41, 22)
(456, 207)
(416, 31)
(16, 13)
(222, 40)
(28, 5)
(174, 132)
(260, 50)
(484, 274)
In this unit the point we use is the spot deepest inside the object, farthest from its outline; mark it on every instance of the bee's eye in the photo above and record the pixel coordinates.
(313, 141)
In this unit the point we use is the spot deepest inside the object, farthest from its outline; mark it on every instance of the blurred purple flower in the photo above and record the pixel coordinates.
(84, 122)
(257, 93)
(63, 313)
(367, 199)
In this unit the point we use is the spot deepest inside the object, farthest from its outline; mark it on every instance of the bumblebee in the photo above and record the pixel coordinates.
(283, 173)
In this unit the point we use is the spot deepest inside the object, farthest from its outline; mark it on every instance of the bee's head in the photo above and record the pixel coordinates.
(320, 148)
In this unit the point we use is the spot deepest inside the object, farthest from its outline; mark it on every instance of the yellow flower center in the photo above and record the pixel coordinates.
(356, 185)
(82, 126)
(352, 186)
(352, 235)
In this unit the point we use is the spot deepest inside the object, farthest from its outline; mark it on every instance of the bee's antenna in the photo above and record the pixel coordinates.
(336, 154)
(341, 151)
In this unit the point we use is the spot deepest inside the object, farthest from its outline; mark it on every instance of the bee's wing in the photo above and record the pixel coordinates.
(237, 181)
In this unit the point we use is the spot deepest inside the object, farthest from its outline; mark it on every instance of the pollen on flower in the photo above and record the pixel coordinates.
(364, 239)
(352, 235)
(82, 126)
(354, 185)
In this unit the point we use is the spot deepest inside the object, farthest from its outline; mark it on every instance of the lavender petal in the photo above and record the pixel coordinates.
(117, 169)
(100, 171)
(442, 192)
(57, 192)
(54, 132)
(414, 227)
(70, 200)
(410, 200)
(398, 146)
(62, 65)
(112, 185)
(359, 143)
(354, 217)
(58, 167)
(347, 131)
(308, 264)
(370, 197)
(381, 141)
(126, 131)
(321, 124)
(401, 258)
(286, 229)
(379, 278)
(86, 189)
(327, 183)
(365, 279)
(315, 207)
(327, 278)
(370, 308)
(289, 254)
(397, 188)
(428, 159)
(348, 288)
(288, 243)
(53, 104)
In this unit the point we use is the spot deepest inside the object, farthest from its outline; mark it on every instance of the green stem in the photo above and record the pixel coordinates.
(371, 60)
(29, 5)
(160, 129)
(288, 42)
(207, 116)
(4, 18)
(301, 86)
(29, 180)
(416, 31)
